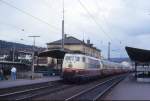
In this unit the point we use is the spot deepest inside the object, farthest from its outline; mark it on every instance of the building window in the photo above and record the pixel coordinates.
(83, 59)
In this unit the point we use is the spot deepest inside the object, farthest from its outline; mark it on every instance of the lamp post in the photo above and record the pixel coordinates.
(34, 37)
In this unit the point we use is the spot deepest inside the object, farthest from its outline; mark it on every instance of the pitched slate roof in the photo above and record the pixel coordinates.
(138, 55)
(71, 41)
(68, 41)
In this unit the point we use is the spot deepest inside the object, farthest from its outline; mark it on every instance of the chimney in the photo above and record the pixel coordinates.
(65, 36)
(88, 42)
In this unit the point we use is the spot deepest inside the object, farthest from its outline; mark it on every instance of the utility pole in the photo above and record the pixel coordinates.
(62, 43)
(109, 50)
(33, 54)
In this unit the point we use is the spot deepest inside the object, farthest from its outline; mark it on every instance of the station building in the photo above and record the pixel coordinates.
(73, 44)
(50, 60)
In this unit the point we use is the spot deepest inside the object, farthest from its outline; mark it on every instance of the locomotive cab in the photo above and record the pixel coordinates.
(72, 65)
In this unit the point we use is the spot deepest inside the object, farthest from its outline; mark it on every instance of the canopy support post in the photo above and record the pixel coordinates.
(135, 69)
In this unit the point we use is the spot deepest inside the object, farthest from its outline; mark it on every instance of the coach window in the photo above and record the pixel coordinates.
(77, 58)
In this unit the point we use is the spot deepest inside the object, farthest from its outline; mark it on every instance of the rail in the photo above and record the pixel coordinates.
(94, 93)
(30, 93)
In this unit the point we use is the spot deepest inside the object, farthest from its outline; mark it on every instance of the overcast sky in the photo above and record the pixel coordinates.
(122, 22)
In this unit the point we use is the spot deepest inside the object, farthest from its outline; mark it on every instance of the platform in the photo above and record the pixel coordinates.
(21, 82)
(129, 89)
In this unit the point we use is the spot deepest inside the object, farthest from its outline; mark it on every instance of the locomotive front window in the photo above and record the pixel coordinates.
(77, 58)
(69, 58)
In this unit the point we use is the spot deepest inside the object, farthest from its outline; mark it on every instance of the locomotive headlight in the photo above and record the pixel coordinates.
(70, 65)
(77, 71)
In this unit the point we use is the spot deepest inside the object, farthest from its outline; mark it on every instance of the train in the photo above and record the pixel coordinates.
(79, 67)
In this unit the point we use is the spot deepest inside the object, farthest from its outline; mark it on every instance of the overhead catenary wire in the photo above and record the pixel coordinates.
(12, 26)
(36, 18)
(99, 25)
(18, 28)
(106, 22)
(95, 21)
(47, 4)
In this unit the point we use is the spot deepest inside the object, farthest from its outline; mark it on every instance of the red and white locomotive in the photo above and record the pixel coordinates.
(83, 67)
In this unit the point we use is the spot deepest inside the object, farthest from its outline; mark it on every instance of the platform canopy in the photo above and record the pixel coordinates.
(54, 53)
(138, 55)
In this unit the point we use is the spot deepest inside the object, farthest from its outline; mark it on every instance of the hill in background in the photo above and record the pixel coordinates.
(6, 46)
(119, 60)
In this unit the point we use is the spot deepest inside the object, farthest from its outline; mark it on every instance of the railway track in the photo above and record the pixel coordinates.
(96, 92)
(91, 94)
(28, 94)
(24, 87)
